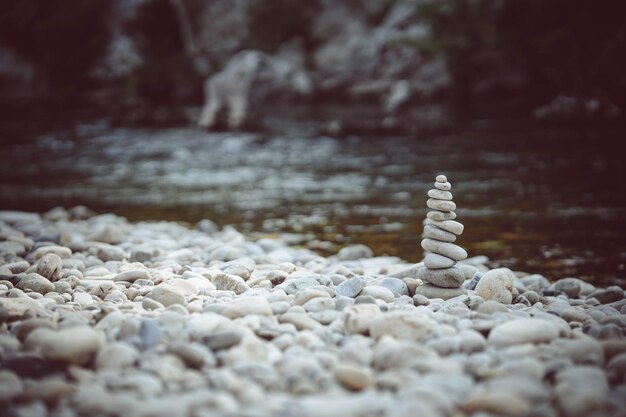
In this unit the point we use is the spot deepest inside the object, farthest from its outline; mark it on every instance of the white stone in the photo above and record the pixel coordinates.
(132, 275)
(307, 294)
(450, 250)
(354, 377)
(444, 186)
(244, 306)
(117, 355)
(60, 251)
(441, 215)
(357, 318)
(432, 291)
(441, 178)
(83, 298)
(438, 234)
(228, 282)
(498, 403)
(496, 285)
(49, 266)
(36, 283)
(448, 277)
(168, 294)
(440, 195)
(441, 205)
(522, 331)
(378, 292)
(451, 226)
(75, 345)
(402, 325)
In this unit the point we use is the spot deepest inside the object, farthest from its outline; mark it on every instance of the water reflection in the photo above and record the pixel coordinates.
(540, 200)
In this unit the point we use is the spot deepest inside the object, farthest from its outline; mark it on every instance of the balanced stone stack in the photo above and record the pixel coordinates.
(441, 277)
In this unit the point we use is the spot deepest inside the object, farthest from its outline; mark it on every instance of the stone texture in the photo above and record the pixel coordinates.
(436, 233)
(350, 287)
(49, 266)
(35, 282)
(444, 186)
(440, 215)
(451, 226)
(354, 377)
(75, 345)
(449, 250)
(441, 205)
(440, 195)
(523, 331)
(448, 278)
(431, 291)
(401, 325)
(496, 285)
(246, 306)
(230, 282)
(168, 295)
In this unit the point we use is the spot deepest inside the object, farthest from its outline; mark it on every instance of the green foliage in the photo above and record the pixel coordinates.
(273, 22)
(64, 39)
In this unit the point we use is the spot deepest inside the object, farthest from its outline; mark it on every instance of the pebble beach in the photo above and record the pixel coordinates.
(100, 316)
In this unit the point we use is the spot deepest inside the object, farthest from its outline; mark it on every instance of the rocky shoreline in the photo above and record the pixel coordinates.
(104, 317)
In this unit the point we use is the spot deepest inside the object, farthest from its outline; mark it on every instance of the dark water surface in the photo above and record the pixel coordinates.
(537, 199)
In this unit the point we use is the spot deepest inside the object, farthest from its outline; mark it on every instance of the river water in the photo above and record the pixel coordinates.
(537, 199)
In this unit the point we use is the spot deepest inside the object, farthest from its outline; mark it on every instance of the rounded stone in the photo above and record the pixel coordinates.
(441, 178)
(401, 325)
(357, 318)
(395, 285)
(378, 292)
(517, 332)
(451, 226)
(117, 355)
(35, 283)
(49, 266)
(350, 287)
(441, 205)
(582, 391)
(132, 275)
(354, 252)
(432, 291)
(74, 345)
(440, 215)
(496, 285)
(491, 306)
(150, 304)
(307, 294)
(436, 233)
(440, 195)
(167, 295)
(569, 286)
(444, 186)
(497, 403)
(223, 281)
(247, 306)
(447, 278)
(60, 251)
(450, 250)
(354, 377)
(11, 386)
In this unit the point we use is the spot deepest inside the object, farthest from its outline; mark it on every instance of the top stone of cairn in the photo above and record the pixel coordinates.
(441, 178)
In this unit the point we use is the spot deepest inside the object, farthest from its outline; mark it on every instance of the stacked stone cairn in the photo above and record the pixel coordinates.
(442, 279)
